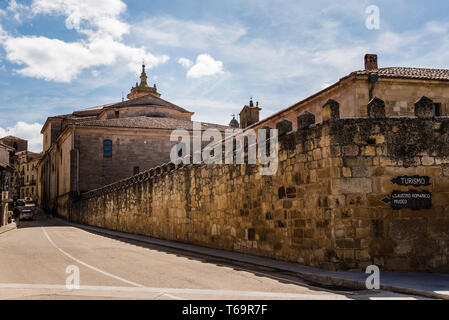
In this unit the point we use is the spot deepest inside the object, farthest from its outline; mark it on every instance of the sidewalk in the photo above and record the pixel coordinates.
(8, 227)
(429, 285)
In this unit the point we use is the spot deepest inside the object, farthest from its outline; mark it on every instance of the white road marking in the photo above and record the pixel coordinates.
(88, 265)
(172, 296)
(97, 269)
(171, 291)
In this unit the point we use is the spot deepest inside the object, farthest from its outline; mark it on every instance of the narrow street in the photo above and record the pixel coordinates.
(35, 258)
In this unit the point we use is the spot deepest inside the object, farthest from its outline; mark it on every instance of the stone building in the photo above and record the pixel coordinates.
(399, 87)
(94, 147)
(6, 167)
(27, 165)
(249, 114)
(17, 145)
(363, 179)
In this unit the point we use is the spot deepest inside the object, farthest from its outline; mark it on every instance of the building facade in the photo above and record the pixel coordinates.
(16, 146)
(94, 147)
(399, 87)
(6, 167)
(27, 164)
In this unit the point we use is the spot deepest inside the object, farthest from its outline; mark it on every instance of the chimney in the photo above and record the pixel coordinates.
(371, 62)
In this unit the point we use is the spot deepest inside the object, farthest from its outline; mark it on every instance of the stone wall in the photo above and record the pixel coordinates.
(329, 205)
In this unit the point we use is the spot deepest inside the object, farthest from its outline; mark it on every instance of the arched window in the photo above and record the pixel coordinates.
(107, 148)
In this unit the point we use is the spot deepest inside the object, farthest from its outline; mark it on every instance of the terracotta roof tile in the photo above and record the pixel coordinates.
(410, 73)
(149, 100)
(148, 123)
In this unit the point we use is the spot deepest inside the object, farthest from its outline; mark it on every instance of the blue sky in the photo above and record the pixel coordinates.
(57, 56)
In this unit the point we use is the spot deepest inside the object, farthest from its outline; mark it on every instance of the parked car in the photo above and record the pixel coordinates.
(25, 209)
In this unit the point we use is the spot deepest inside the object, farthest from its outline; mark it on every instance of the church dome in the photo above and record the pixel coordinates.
(234, 123)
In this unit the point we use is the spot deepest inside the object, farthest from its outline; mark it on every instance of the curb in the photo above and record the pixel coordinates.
(313, 275)
(9, 227)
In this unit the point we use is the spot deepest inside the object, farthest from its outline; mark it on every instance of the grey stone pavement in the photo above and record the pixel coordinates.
(7, 228)
(429, 285)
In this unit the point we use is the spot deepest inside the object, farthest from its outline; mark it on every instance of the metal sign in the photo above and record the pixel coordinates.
(412, 199)
(415, 181)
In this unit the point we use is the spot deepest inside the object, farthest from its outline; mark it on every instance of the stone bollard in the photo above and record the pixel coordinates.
(424, 108)
(305, 120)
(284, 126)
(376, 108)
(331, 110)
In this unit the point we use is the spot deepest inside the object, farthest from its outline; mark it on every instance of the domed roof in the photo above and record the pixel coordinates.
(234, 123)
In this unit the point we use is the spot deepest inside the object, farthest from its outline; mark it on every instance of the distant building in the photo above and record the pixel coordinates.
(234, 123)
(16, 143)
(6, 167)
(27, 165)
(16, 146)
(249, 114)
(94, 147)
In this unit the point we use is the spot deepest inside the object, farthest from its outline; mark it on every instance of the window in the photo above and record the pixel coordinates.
(136, 170)
(437, 109)
(180, 147)
(107, 148)
(117, 114)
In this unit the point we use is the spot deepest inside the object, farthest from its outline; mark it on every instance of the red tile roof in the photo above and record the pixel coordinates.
(148, 100)
(409, 73)
(148, 123)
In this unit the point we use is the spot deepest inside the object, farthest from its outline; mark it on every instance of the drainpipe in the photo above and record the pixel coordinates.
(372, 79)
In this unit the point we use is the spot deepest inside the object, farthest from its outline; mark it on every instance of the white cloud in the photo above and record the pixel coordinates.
(56, 60)
(221, 109)
(60, 61)
(48, 59)
(186, 63)
(168, 31)
(17, 10)
(84, 15)
(205, 66)
(23, 130)
(3, 34)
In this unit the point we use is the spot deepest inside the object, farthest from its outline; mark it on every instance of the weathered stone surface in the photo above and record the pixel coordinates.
(305, 120)
(352, 185)
(407, 228)
(376, 108)
(318, 201)
(424, 108)
(284, 126)
(331, 110)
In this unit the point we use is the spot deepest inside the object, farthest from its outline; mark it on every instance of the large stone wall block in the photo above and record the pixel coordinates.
(305, 120)
(284, 126)
(352, 186)
(376, 108)
(424, 108)
(331, 110)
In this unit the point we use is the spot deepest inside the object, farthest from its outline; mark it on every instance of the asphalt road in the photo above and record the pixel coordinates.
(41, 260)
